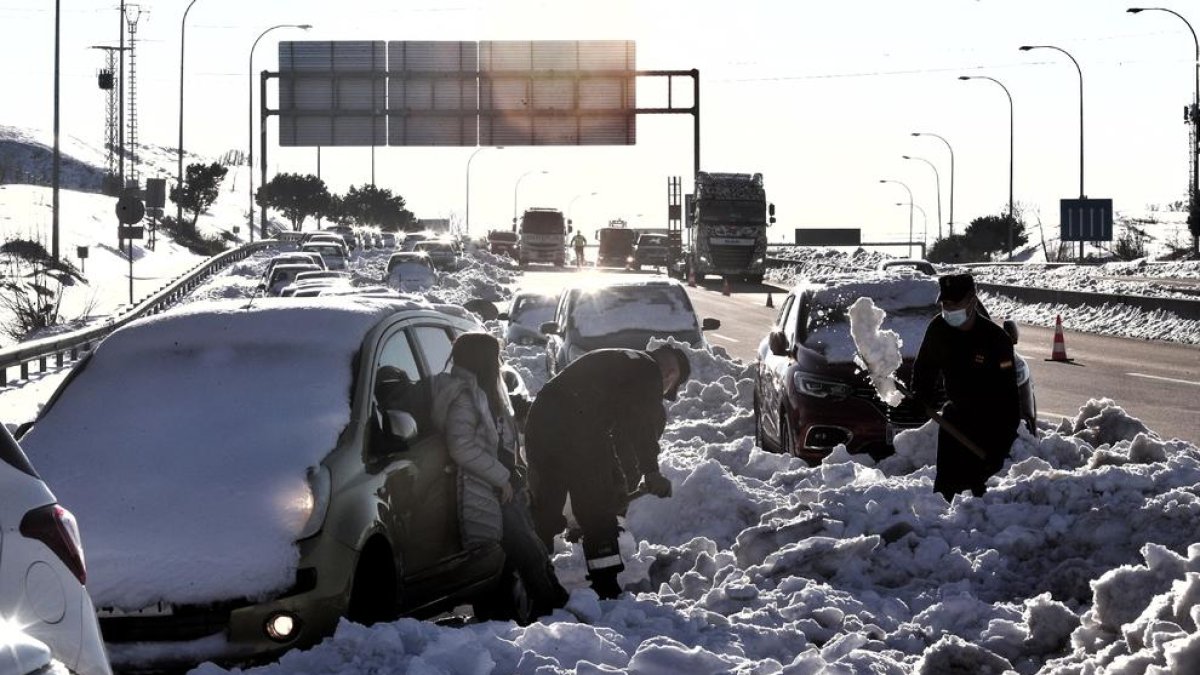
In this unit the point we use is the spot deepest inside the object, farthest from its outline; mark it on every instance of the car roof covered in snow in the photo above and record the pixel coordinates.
(891, 290)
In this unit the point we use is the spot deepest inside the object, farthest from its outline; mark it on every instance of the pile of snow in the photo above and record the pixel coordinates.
(878, 350)
(1082, 552)
(821, 262)
(233, 427)
(1178, 269)
(909, 300)
(1115, 320)
(1092, 278)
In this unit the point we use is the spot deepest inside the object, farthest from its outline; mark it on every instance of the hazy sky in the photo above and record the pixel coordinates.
(820, 97)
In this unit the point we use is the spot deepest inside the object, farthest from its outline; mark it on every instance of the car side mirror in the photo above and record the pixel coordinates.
(403, 425)
(1010, 327)
(777, 342)
(710, 324)
(549, 328)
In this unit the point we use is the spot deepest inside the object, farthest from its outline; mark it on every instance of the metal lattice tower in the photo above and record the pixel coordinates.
(132, 14)
(107, 79)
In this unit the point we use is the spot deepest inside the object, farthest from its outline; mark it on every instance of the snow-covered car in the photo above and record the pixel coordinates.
(410, 272)
(283, 275)
(388, 240)
(314, 278)
(810, 395)
(527, 312)
(293, 259)
(335, 255)
(620, 314)
(897, 264)
(45, 610)
(443, 253)
(411, 240)
(288, 475)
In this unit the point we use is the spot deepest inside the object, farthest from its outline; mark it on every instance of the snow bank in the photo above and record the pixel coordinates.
(1115, 278)
(220, 457)
(879, 350)
(1115, 320)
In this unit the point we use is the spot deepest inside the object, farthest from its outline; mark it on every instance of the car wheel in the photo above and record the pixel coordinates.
(506, 600)
(787, 438)
(760, 435)
(373, 595)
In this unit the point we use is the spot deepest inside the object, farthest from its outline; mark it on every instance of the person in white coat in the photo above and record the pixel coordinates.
(473, 410)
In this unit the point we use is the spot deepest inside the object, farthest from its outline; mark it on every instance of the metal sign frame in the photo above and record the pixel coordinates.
(828, 236)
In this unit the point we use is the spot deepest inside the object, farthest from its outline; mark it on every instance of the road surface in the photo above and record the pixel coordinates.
(1155, 381)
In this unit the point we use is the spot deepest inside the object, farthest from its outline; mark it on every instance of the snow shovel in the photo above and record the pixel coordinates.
(944, 423)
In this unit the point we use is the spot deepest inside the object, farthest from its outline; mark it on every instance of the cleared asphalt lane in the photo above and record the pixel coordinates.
(1156, 382)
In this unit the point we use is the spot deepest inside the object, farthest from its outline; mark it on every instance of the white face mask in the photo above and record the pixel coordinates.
(955, 317)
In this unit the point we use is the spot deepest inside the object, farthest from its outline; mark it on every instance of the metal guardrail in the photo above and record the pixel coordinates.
(71, 346)
(1181, 307)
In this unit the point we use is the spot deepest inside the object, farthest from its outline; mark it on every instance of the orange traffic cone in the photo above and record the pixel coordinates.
(692, 278)
(1059, 351)
(725, 290)
(770, 300)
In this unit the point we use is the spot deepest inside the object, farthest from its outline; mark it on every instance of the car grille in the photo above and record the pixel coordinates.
(909, 414)
(732, 257)
(185, 624)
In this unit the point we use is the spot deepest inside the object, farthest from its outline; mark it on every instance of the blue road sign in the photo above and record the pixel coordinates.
(1086, 219)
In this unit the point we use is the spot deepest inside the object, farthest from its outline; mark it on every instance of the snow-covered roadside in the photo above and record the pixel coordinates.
(761, 564)
(1114, 320)
(1097, 279)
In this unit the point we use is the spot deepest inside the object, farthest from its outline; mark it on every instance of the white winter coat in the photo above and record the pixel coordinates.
(461, 412)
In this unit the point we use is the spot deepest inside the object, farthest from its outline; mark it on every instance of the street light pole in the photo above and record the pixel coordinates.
(1012, 218)
(1195, 116)
(179, 171)
(938, 182)
(571, 203)
(468, 225)
(57, 165)
(951, 149)
(924, 219)
(250, 116)
(910, 211)
(518, 187)
(1025, 48)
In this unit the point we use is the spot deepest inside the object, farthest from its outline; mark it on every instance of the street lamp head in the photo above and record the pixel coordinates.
(305, 26)
(916, 133)
(964, 77)
(905, 157)
(1135, 10)
(882, 180)
(1025, 48)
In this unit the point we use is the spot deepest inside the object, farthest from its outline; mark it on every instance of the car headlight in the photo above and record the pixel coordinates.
(817, 387)
(314, 504)
(703, 259)
(759, 261)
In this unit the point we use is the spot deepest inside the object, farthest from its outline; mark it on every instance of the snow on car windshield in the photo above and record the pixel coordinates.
(910, 302)
(217, 411)
(605, 311)
(533, 311)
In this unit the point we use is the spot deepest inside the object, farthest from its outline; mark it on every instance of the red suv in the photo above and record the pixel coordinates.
(810, 396)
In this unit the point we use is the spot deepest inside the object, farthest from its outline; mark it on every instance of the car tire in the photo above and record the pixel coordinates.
(787, 439)
(760, 435)
(506, 600)
(374, 593)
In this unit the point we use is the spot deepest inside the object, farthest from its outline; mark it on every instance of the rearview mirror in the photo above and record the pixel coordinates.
(549, 328)
(777, 342)
(403, 425)
(710, 324)
(1010, 327)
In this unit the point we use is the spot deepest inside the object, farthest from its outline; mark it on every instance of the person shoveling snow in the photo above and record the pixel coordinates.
(974, 359)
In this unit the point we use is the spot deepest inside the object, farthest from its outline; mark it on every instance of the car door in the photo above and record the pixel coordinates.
(773, 370)
(420, 485)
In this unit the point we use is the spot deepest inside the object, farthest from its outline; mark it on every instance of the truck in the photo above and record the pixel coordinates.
(615, 245)
(729, 215)
(543, 237)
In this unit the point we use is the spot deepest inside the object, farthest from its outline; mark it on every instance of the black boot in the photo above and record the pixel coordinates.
(604, 582)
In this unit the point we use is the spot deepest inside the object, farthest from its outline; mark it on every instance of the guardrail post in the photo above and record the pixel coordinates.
(58, 359)
(24, 370)
(42, 365)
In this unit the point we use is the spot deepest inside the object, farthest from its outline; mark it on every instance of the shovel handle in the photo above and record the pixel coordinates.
(945, 424)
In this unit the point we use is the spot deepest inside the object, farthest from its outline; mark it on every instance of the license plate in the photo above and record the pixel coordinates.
(159, 609)
(889, 433)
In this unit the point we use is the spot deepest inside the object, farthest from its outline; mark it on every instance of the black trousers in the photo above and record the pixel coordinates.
(958, 468)
(565, 459)
(528, 557)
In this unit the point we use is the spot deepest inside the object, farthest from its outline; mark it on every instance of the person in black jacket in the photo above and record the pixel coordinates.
(975, 360)
(592, 433)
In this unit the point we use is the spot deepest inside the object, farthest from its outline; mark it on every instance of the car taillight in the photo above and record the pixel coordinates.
(55, 527)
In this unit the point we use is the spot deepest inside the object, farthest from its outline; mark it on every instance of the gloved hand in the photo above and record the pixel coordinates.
(657, 484)
(506, 493)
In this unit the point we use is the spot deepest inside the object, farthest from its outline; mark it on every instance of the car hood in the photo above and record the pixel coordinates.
(183, 445)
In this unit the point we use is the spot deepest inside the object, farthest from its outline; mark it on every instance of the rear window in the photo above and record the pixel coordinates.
(533, 311)
(605, 311)
(12, 455)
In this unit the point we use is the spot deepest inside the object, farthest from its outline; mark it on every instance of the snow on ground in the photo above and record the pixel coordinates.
(821, 262)
(1114, 278)
(1115, 320)
(1082, 555)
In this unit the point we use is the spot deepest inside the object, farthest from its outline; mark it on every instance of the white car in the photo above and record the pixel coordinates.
(625, 314)
(444, 254)
(335, 255)
(42, 573)
(527, 312)
(284, 275)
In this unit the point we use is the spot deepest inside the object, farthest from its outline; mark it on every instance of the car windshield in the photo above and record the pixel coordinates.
(542, 223)
(827, 329)
(533, 311)
(503, 236)
(431, 247)
(652, 241)
(657, 309)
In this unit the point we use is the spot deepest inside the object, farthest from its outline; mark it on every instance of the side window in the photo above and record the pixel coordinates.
(398, 353)
(398, 386)
(789, 320)
(434, 343)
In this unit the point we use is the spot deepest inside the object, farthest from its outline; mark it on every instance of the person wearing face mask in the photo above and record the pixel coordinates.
(974, 359)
